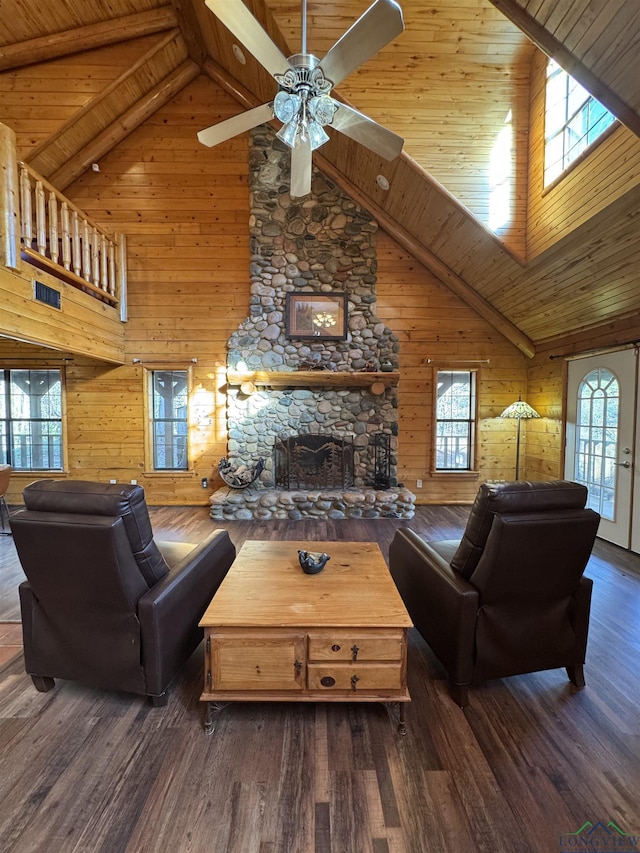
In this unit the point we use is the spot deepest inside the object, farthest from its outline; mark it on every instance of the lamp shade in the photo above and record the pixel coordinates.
(519, 409)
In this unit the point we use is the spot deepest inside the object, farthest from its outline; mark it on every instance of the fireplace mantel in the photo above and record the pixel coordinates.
(377, 381)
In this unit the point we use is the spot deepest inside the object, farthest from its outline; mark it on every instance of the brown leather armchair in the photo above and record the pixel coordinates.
(104, 604)
(510, 597)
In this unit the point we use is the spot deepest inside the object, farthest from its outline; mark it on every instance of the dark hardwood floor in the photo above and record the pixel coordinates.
(530, 761)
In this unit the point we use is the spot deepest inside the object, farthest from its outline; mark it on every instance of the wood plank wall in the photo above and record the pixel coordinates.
(436, 330)
(82, 323)
(184, 210)
(610, 170)
(556, 215)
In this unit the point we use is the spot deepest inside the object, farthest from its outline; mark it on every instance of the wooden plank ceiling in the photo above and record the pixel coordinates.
(447, 84)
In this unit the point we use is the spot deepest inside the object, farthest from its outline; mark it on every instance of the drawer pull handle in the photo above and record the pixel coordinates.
(327, 681)
(298, 667)
(335, 647)
(355, 649)
(354, 681)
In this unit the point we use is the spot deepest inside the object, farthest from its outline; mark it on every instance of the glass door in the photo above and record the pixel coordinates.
(601, 403)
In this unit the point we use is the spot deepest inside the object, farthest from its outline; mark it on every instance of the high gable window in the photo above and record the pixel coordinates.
(31, 419)
(573, 121)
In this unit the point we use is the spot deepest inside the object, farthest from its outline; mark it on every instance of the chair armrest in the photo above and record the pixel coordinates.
(442, 604)
(170, 611)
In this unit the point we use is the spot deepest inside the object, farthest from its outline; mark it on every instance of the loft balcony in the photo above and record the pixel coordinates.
(62, 277)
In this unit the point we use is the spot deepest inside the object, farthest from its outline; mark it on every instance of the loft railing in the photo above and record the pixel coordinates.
(57, 236)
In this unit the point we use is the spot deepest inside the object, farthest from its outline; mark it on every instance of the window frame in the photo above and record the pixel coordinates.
(63, 469)
(567, 166)
(149, 421)
(460, 473)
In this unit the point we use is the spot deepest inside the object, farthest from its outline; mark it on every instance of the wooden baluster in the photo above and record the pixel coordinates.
(66, 236)
(53, 227)
(104, 279)
(95, 257)
(41, 219)
(112, 268)
(9, 199)
(86, 251)
(26, 207)
(121, 266)
(76, 245)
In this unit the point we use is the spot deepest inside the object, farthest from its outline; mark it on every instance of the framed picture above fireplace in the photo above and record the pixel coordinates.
(316, 315)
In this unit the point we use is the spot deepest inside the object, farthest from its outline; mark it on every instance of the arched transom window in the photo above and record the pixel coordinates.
(597, 428)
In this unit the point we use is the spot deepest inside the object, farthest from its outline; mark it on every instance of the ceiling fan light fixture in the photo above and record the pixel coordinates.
(317, 135)
(288, 133)
(286, 106)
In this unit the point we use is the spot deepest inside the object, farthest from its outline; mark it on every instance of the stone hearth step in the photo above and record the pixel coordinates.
(263, 503)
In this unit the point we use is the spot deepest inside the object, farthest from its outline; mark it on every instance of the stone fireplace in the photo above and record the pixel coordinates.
(325, 393)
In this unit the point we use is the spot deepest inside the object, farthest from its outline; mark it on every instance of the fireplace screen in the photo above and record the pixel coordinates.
(313, 461)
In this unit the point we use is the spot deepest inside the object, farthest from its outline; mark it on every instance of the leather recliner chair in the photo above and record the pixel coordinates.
(104, 604)
(510, 597)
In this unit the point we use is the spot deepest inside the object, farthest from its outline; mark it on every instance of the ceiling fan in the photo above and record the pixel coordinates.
(303, 102)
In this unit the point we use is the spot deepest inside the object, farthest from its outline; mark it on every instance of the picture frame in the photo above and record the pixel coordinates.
(316, 316)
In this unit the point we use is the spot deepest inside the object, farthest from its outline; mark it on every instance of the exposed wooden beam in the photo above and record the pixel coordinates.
(444, 273)
(230, 85)
(40, 156)
(126, 123)
(550, 45)
(90, 37)
(188, 23)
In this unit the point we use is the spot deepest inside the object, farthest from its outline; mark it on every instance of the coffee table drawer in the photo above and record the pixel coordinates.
(332, 645)
(354, 677)
(257, 663)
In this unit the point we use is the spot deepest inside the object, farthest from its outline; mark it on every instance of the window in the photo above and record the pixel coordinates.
(573, 121)
(597, 428)
(455, 420)
(168, 392)
(31, 419)
(501, 172)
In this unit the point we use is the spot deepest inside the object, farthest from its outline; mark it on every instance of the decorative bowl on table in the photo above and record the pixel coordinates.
(312, 562)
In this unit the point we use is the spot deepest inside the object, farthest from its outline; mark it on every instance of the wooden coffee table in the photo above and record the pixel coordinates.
(276, 634)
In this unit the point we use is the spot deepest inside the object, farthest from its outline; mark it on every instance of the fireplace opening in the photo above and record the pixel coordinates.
(313, 461)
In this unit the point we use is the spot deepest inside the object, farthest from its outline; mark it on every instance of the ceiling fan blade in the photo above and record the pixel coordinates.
(224, 130)
(376, 27)
(301, 168)
(367, 132)
(239, 20)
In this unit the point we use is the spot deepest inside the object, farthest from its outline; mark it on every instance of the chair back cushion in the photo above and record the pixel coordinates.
(521, 496)
(117, 500)
(528, 578)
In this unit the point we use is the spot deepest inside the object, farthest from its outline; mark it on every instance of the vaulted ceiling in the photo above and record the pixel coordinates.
(447, 84)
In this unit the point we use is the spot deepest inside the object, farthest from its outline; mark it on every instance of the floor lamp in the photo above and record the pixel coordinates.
(519, 410)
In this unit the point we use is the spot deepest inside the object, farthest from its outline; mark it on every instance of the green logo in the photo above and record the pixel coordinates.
(604, 837)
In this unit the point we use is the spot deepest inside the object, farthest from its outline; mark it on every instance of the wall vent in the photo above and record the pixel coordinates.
(46, 294)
